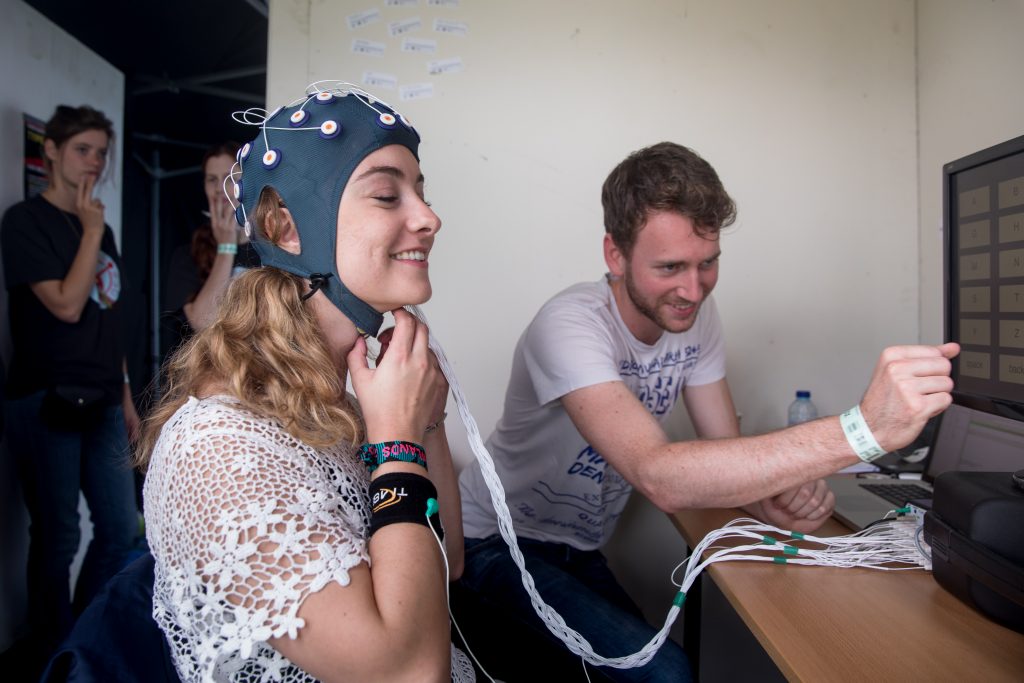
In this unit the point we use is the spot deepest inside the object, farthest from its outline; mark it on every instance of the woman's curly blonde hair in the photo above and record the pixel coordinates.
(267, 350)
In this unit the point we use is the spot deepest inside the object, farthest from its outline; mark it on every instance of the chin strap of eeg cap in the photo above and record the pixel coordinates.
(318, 281)
(307, 151)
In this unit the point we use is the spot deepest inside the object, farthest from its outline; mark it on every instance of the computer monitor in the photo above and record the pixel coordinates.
(983, 217)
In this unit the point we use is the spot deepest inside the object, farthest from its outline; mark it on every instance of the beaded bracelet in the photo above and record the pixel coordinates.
(227, 248)
(374, 455)
(434, 425)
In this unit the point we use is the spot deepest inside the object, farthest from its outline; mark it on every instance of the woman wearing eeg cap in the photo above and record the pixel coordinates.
(283, 548)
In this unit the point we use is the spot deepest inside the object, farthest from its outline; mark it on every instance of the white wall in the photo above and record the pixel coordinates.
(969, 98)
(806, 108)
(41, 66)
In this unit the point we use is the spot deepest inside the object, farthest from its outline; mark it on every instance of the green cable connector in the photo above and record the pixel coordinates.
(768, 540)
(902, 511)
(797, 535)
(679, 599)
(779, 560)
(789, 550)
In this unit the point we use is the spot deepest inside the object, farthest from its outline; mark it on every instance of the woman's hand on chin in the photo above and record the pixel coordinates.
(399, 397)
(440, 396)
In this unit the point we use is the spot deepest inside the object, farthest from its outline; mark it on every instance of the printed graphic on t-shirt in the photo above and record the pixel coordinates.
(108, 283)
(657, 383)
(586, 511)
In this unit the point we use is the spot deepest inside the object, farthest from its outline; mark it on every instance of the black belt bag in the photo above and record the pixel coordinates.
(72, 408)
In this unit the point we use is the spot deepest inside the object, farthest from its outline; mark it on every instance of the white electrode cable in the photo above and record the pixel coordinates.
(875, 547)
(552, 619)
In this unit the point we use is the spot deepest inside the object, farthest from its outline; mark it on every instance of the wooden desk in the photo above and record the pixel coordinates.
(826, 623)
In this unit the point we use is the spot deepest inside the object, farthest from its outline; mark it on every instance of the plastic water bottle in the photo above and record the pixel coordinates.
(802, 410)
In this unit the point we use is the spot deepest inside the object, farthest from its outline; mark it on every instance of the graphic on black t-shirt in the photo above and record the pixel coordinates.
(40, 243)
(107, 288)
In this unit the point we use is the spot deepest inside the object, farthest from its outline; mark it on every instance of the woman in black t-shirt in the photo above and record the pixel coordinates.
(69, 408)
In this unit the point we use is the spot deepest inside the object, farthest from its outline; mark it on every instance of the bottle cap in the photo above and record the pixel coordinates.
(803, 393)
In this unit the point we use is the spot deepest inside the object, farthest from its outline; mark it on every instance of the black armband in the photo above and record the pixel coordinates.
(403, 497)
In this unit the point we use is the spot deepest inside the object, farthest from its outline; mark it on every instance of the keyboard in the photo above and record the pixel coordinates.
(898, 494)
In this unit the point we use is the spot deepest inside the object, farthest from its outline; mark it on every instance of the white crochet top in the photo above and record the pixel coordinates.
(244, 522)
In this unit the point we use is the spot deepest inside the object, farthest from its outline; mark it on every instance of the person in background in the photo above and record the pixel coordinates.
(69, 410)
(199, 273)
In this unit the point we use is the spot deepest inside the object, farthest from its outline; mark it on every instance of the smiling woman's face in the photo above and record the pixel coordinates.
(386, 231)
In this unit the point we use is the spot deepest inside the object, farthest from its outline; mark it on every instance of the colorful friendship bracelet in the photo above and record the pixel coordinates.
(859, 435)
(374, 455)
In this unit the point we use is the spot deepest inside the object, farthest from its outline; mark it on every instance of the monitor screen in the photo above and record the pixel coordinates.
(983, 207)
(974, 441)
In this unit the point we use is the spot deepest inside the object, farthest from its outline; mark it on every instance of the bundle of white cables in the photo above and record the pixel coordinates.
(892, 541)
(878, 546)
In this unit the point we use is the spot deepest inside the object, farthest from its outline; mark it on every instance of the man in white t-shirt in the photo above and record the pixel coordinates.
(594, 375)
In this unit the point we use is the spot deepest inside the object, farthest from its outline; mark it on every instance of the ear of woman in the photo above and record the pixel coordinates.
(285, 230)
(50, 149)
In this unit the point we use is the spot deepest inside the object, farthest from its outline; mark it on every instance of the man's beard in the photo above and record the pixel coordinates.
(651, 309)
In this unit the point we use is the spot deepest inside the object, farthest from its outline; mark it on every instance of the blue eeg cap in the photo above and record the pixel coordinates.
(307, 151)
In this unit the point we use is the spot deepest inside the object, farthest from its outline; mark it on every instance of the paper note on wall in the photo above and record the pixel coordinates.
(403, 26)
(361, 19)
(416, 91)
(444, 66)
(420, 45)
(376, 79)
(453, 28)
(368, 47)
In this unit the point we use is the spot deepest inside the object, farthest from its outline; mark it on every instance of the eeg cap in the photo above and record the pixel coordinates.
(307, 151)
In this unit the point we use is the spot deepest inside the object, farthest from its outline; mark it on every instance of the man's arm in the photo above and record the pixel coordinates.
(712, 411)
(802, 508)
(910, 384)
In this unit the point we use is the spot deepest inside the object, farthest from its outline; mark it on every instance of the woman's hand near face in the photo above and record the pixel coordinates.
(66, 298)
(440, 399)
(399, 397)
(222, 221)
(88, 208)
(202, 310)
